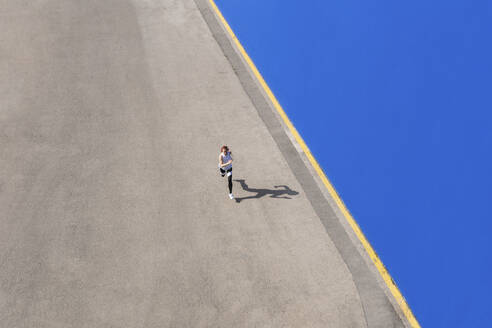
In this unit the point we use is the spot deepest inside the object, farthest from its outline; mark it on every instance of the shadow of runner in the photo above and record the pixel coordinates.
(274, 193)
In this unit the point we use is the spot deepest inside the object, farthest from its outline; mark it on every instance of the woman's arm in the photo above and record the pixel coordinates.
(221, 161)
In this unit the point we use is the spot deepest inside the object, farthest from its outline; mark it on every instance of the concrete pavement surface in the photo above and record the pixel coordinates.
(112, 211)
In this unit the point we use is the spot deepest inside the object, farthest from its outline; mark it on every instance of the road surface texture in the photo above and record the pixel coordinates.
(112, 211)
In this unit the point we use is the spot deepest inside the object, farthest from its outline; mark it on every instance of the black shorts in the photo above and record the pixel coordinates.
(224, 171)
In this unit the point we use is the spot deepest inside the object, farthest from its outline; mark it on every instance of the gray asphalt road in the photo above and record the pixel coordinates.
(112, 212)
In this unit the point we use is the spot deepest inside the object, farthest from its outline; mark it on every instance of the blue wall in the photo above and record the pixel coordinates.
(394, 99)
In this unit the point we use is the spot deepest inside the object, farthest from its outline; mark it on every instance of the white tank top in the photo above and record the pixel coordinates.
(225, 158)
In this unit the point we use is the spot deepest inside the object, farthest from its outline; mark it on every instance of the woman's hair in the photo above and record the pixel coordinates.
(224, 147)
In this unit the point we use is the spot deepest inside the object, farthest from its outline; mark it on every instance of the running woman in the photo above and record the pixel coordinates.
(225, 166)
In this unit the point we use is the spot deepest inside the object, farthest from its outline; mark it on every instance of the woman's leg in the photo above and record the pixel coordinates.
(229, 177)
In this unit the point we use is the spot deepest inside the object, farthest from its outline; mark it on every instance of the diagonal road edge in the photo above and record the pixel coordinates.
(383, 304)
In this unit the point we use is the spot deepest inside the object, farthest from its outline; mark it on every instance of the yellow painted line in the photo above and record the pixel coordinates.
(379, 265)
